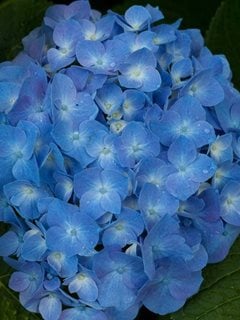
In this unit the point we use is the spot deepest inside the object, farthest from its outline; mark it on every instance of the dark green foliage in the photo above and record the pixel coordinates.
(224, 35)
(17, 19)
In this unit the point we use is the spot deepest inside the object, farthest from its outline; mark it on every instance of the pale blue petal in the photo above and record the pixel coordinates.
(180, 186)
(137, 17)
(89, 52)
(182, 152)
(50, 307)
(202, 169)
(8, 243)
(19, 281)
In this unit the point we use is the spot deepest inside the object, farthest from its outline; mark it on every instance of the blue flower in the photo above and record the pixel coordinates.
(17, 146)
(109, 98)
(34, 245)
(97, 57)
(50, 307)
(125, 230)
(133, 103)
(98, 31)
(173, 283)
(70, 231)
(100, 191)
(155, 203)
(136, 18)
(73, 139)
(205, 88)
(186, 118)
(221, 149)
(103, 150)
(163, 240)
(9, 243)
(65, 37)
(62, 264)
(68, 103)
(32, 103)
(116, 269)
(136, 143)
(191, 168)
(230, 203)
(82, 312)
(154, 171)
(9, 92)
(28, 279)
(84, 285)
(119, 157)
(24, 196)
(139, 72)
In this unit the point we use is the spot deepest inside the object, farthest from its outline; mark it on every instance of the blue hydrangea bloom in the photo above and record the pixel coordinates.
(136, 143)
(125, 230)
(100, 191)
(65, 37)
(173, 283)
(163, 241)
(185, 119)
(114, 269)
(119, 157)
(191, 168)
(230, 203)
(69, 226)
(139, 72)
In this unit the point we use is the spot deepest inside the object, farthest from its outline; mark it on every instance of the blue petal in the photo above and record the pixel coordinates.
(9, 92)
(58, 60)
(180, 186)
(230, 203)
(89, 53)
(63, 265)
(189, 108)
(83, 314)
(204, 87)
(109, 98)
(86, 180)
(19, 281)
(90, 203)
(118, 235)
(33, 247)
(50, 307)
(155, 203)
(115, 180)
(181, 153)
(8, 243)
(137, 17)
(85, 287)
(108, 297)
(180, 71)
(12, 141)
(26, 170)
(165, 129)
(111, 202)
(66, 34)
(203, 133)
(202, 169)
(63, 90)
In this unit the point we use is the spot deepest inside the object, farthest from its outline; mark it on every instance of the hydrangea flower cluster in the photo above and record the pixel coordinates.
(119, 156)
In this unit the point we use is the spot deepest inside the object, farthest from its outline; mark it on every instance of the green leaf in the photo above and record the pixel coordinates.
(17, 19)
(223, 35)
(195, 14)
(219, 297)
